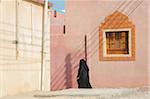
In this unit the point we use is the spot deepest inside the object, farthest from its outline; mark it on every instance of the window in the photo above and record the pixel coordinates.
(117, 42)
(55, 13)
(64, 29)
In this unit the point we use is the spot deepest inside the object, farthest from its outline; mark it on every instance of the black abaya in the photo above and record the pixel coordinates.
(83, 75)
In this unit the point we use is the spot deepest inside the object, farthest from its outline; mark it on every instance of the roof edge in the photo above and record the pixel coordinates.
(40, 2)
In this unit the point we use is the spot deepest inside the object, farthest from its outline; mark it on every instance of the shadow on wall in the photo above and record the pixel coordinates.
(68, 66)
(64, 76)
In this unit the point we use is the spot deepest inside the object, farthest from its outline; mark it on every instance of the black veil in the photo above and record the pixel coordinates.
(83, 75)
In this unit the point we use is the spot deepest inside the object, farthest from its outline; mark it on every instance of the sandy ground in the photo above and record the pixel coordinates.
(122, 93)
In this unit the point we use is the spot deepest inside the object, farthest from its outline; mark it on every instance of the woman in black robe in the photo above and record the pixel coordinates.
(83, 75)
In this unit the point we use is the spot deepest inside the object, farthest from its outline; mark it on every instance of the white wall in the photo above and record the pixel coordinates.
(22, 74)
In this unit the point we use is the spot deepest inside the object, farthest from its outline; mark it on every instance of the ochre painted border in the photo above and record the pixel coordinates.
(117, 20)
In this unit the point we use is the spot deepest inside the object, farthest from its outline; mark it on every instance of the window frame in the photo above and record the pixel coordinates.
(104, 45)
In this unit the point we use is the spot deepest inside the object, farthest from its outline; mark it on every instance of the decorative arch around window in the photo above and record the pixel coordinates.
(117, 38)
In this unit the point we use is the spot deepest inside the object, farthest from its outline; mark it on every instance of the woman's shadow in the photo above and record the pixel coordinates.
(68, 71)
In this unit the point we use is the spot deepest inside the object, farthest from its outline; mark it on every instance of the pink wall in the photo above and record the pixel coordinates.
(149, 43)
(59, 51)
(63, 70)
(84, 17)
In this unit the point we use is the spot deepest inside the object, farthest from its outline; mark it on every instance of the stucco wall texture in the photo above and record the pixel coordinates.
(83, 17)
(20, 67)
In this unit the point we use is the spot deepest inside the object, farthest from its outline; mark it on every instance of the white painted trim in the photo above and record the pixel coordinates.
(116, 55)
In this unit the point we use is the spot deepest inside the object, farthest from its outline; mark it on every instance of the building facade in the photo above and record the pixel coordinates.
(21, 29)
(58, 48)
(116, 44)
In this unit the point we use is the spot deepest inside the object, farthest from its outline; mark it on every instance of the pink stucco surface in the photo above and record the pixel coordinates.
(64, 57)
(84, 17)
(58, 52)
